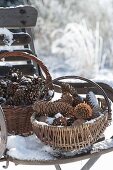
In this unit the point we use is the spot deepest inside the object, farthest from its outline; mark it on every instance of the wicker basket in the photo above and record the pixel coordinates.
(67, 138)
(18, 117)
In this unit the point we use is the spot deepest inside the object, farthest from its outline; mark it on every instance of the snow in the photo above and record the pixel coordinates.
(8, 36)
(102, 145)
(8, 40)
(28, 148)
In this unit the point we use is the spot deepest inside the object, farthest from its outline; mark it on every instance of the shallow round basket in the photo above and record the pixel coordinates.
(68, 138)
(18, 117)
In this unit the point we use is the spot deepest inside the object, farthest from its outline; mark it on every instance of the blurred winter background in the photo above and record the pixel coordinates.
(75, 37)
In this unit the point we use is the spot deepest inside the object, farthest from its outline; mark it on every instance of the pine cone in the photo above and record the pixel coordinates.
(67, 88)
(91, 99)
(1, 91)
(60, 121)
(18, 97)
(77, 100)
(11, 88)
(67, 98)
(93, 102)
(83, 111)
(51, 108)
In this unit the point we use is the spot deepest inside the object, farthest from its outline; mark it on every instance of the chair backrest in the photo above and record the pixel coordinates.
(16, 24)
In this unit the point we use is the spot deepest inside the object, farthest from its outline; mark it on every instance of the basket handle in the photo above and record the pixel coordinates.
(94, 84)
(33, 58)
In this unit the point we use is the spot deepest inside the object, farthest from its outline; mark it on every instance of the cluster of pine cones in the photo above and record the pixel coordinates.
(73, 109)
(17, 89)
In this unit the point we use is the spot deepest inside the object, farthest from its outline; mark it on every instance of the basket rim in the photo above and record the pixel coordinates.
(35, 59)
(87, 123)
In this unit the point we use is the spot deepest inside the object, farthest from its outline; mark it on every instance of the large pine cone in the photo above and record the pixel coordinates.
(51, 108)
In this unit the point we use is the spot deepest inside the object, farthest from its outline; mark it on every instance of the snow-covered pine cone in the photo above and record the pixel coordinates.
(93, 102)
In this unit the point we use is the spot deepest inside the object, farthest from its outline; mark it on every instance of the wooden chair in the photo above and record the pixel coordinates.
(19, 21)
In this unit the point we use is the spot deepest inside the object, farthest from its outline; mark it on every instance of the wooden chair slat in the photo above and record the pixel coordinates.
(20, 16)
(18, 39)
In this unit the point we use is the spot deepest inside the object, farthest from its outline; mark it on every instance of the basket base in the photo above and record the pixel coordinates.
(65, 154)
(18, 120)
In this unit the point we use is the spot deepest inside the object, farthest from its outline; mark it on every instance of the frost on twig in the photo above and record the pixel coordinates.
(81, 47)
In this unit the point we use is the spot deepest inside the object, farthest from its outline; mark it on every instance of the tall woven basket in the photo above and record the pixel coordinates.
(18, 117)
(79, 136)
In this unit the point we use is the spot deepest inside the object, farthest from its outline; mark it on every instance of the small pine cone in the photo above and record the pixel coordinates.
(1, 91)
(83, 111)
(9, 101)
(68, 88)
(60, 121)
(67, 98)
(35, 80)
(70, 121)
(51, 108)
(18, 97)
(65, 87)
(3, 88)
(11, 88)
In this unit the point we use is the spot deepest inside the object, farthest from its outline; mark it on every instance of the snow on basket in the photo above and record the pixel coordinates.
(76, 120)
(18, 91)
